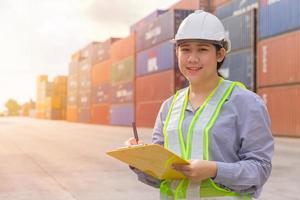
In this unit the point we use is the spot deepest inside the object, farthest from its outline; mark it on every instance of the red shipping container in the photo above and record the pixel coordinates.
(101, 72)
(100, 114)
(284, 109)
(192, 5)
(72, 114)
(159, 86)
(146, 113)
(123, 48)
(278, 60)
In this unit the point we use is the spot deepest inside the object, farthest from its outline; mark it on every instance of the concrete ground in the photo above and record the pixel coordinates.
(58, 160)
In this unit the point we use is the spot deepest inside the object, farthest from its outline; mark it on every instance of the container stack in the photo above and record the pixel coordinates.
(57, 103)
(157, 74)
(193, 5)
(72, 100)
(278, 72)
(239, 19)
(122, 81)
(43, 91)
(101, 86)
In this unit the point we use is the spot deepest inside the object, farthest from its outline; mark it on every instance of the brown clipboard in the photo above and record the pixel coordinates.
(153, 159)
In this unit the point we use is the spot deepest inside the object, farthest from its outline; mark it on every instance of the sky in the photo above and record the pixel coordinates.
(38, 36)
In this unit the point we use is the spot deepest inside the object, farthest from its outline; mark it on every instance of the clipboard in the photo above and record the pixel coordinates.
(153, 159)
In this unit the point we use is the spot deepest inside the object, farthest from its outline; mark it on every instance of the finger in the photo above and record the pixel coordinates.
(130, 141)
(183, 168)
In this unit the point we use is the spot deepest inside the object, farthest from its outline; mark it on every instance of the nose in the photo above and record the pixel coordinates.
(193, 58)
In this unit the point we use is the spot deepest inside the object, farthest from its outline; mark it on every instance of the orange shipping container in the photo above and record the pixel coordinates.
(284, 109)
(100, 114)
(72, 114)
(217, 3)
(101, 72)
(278, 60)
(146, 113)
(123, 48)
(192, 5)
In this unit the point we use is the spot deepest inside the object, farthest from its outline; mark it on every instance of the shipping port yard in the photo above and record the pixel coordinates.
(54, 146)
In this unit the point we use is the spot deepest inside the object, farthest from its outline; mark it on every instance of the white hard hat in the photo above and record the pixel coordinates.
(202, 25)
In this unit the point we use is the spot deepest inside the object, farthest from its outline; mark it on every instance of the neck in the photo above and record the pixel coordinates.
(204, 87)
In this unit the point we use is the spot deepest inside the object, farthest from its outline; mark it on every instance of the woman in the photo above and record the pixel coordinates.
(221, 127)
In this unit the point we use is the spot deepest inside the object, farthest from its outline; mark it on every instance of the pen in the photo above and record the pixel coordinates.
(135, 132)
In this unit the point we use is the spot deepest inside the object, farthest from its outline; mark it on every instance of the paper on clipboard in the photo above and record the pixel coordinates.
(153, 159)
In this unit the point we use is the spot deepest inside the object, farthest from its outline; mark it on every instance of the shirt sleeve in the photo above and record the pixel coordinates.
(157, 138)
(256, 149)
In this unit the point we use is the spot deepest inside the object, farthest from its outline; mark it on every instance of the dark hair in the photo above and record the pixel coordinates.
(219, 64)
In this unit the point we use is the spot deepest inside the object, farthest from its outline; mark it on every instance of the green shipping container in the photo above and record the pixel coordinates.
(123, 71)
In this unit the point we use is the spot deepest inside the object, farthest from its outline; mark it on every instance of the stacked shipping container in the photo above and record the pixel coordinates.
(278, 64)
(122, 81)
(239, 19)
(101, 86)
(57, 100)
(43, 91)
(72, 87)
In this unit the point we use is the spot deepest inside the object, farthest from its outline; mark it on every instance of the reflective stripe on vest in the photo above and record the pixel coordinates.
(196, 146)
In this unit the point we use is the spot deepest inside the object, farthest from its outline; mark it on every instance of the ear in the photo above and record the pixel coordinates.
(221, 55)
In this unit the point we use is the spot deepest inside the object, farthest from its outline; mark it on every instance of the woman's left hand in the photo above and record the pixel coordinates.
(198, 170)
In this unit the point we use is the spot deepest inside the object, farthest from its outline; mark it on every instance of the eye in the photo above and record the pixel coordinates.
(203, 49)
(185, 49)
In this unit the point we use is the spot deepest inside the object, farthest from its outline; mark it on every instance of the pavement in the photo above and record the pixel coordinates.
(59, 160)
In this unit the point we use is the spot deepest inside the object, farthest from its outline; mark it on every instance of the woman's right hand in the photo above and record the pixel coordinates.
(132, 141)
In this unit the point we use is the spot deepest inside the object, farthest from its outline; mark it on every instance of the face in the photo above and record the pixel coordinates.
(198, 60)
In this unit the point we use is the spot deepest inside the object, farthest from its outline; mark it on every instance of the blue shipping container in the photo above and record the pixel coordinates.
(235, 7)
(276, 17)
(241, 30)
(102, 93)
(122, 93)
(159, 58)
(240, 66)
(146, 20)
(122, 114)
(161, 29)
(84, 115)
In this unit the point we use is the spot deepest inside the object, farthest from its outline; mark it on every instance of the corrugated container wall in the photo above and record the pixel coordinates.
(101, 72)
(122, 81)
(123, 71)
(149, 18)
(192, 5)
(42, 92)
(278, 60)
(284, 109)
(278, 17)
(161, 29)
(101, 86)
(240, 66)
(241, 30)
(235, 7)
(122, 114)
(218, 3)
(158, 58)
(72, 88)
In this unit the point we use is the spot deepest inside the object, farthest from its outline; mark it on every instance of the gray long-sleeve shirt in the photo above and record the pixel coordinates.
(240, 142)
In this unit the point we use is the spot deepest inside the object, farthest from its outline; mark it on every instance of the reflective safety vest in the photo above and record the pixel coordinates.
(197, 143)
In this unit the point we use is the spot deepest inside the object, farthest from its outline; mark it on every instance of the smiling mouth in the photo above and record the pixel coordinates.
(193, 68)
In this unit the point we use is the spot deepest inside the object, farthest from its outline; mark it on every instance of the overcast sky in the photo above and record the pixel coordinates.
(38, 36)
